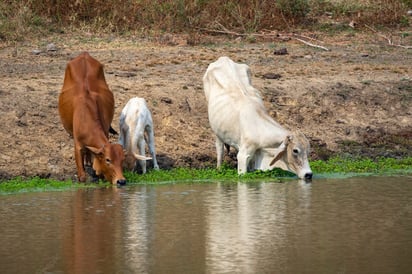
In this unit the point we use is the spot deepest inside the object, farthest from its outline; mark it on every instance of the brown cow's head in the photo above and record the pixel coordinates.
(108, 162)
(293, 155)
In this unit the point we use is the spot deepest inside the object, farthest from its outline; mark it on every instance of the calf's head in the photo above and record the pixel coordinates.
(108, 161)
(292, 155)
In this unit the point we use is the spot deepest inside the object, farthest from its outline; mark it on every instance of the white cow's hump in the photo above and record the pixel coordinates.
(230, 77)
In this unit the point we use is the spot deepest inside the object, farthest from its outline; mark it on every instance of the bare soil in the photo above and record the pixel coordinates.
(354, 100)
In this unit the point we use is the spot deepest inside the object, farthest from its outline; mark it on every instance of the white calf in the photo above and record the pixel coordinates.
(136, 128)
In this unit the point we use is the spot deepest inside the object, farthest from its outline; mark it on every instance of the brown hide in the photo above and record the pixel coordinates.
(86, 108)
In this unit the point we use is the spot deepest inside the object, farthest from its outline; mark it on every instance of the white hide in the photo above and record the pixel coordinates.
(238, 118)
(136, 128)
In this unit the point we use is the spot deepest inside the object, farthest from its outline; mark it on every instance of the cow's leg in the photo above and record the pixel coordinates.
(88, 165)
(151, 144)
(142, 145)
(87, 158)
(219, 151)
(243, 159)
(122, 137)
(79, 155)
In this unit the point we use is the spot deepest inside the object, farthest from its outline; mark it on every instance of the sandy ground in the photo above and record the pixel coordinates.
(355, 99)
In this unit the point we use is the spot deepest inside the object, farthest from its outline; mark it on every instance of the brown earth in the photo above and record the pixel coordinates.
(355, 99)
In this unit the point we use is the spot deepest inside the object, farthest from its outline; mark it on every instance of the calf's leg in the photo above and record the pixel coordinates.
(152, 150)
(142, 163)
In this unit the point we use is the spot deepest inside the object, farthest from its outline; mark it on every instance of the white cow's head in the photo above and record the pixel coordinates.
(292, 155)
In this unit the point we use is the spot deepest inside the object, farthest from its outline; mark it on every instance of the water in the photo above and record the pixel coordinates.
(355, 225)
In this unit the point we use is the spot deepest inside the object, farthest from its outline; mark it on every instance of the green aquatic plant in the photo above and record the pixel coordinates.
(361, 165)
(19, 185)
(337, 165)
(206, 174)
(332, 166)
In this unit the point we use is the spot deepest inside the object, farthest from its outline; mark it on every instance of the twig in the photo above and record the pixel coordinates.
(310, 44)
(264, 35)
(224, 30)
(390, 42)
(402, 46)
(381, 35)
(309, 38)
(188, 105)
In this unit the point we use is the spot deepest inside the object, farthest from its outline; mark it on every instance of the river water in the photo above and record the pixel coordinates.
(347, 225)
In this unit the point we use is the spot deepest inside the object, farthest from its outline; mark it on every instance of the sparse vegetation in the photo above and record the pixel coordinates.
(18, 19)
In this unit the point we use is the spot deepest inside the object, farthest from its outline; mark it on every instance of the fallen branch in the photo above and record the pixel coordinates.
(224, 30)
(390, 42)
(308, 38)
(262, 35)
(310, 44)
(379, 34)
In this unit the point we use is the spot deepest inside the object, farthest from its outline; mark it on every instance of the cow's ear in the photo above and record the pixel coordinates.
(280, 151)
(96, 151)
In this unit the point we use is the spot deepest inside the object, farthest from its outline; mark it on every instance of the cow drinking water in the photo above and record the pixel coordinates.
(239, 119)
(86, 108)
(136, 129)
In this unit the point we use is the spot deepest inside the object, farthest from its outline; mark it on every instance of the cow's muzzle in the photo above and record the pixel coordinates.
(308, 176)
(121, 182)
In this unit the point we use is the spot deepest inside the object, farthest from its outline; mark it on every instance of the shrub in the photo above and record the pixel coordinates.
(20, 18)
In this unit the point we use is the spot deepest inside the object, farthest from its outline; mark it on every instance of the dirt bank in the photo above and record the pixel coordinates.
(355, 99)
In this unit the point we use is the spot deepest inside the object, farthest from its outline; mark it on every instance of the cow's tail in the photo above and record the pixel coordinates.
(137, 138)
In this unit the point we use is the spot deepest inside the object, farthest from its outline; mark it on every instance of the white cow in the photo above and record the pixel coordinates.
(238, 118)
(136, 127)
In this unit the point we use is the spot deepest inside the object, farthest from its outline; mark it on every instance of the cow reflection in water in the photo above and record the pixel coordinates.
(165, 231)
(234, 228)
(91, 243)
(247, 231)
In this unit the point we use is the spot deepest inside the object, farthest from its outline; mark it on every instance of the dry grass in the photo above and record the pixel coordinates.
(21, 18)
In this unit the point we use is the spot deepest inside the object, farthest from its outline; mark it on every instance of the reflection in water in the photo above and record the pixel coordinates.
(137, 230)
(90, 238)
(164, 228)
(358, 225)
(30, 232)
(246, 229)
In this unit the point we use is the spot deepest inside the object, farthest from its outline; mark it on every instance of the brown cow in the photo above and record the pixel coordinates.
(86, 108)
